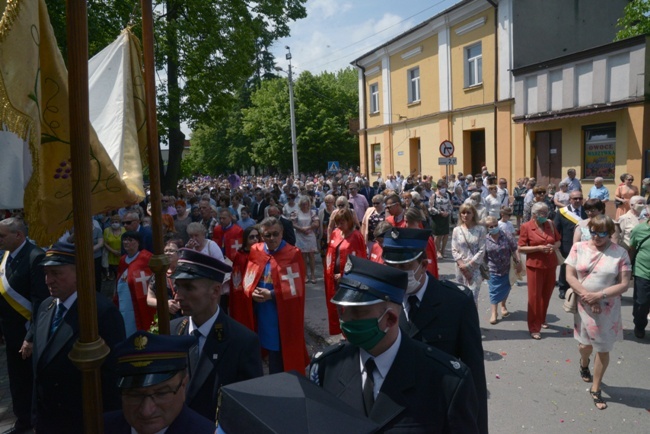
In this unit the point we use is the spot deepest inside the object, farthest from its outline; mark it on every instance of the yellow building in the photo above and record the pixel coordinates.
(447, 79)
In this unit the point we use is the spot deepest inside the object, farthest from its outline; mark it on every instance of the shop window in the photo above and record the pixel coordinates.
(600, 151)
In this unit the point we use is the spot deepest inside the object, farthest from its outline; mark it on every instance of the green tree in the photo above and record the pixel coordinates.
(204, 50)
(635, 20)
(324, 105)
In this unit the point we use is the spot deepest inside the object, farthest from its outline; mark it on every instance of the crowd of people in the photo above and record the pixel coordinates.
(243, 250)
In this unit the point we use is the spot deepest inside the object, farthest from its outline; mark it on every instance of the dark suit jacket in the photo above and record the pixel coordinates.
(257, 210)
(566, 228)
(25, 275)
(57, 406)
(425, 390)
(447, 319)
(231, 353)
(147, 238)
(187, 422)
(288, 234)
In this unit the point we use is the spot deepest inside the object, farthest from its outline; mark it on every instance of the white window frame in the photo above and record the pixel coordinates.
(374, 98)
(413, 84)
(473, 66)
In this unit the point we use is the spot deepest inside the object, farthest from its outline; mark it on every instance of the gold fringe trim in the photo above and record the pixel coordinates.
(8, 17)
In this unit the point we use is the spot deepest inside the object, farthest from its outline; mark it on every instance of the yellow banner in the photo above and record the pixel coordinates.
(34, 106)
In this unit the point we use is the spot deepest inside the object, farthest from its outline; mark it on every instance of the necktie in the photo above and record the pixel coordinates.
(194, 352)
(8, 268)
(413, 306)
(369, 386)
(58, 317)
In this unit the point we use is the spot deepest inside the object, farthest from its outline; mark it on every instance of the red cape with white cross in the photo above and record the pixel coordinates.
(288, 272)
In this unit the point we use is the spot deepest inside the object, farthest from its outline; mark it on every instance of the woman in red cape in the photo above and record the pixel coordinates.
(240, 306)
(345, 241)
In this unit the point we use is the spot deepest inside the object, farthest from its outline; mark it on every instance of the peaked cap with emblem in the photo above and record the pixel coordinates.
(402, 245)
(366, 282)
(61, 253)
(195, 265)
(145, 359)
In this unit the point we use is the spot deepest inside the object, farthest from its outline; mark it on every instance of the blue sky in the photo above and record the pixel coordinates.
(335, 32)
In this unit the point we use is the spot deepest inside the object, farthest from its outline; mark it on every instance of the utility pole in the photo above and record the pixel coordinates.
(294, 145)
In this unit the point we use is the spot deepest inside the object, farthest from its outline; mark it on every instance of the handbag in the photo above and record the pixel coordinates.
(558, 254)
(570, 304)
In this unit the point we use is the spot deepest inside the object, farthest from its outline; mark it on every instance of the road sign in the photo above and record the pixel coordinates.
(446, 148)
(448, 161)
(333, 166)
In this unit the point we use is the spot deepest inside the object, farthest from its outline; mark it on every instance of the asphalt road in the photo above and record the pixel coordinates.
(534, 386)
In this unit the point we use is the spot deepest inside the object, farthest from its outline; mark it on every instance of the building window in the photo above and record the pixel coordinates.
(600, 151)
(473, 65)
(414, 84)
(374, 98)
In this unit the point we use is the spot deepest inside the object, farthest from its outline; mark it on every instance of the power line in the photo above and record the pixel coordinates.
(373, 35)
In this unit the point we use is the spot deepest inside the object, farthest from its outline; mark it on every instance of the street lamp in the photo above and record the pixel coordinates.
(294, 145)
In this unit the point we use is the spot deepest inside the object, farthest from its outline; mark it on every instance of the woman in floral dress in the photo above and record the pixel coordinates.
(599, 271)
(468, 249)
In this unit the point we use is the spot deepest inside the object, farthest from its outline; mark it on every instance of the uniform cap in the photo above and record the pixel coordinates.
(145, 359)
(402, 245)
(61, 253)
(195, 265)
(366, 282)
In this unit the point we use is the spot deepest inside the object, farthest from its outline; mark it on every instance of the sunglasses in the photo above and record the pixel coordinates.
(576, 198)
(253, 236)
(599, 234)
(340, 206)
(127, 222)
(391, 205)
(541, 192)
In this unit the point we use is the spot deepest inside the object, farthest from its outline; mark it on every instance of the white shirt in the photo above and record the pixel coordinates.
(383, 362)
(67, 303)
(419, 294)
(204, 329)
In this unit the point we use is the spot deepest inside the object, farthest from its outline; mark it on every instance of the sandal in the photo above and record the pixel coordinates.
(493, 320)
(598, 399)
(505, 313)
(536, 336)
(585, 374)
(544, 326)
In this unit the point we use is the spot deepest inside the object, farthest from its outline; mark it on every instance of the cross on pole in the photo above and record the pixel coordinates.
(144, 279)
(291, 277)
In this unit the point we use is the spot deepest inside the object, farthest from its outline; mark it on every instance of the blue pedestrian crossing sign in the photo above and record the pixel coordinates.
(333, 166)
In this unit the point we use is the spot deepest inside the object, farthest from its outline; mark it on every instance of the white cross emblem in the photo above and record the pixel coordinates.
(248, 279)
(291, 277)
(236, 279)
(144, 279)
(236, 245)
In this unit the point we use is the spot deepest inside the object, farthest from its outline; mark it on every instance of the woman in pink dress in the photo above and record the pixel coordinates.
(599, 271)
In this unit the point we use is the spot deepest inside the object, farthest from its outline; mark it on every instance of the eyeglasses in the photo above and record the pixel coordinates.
(630, 179)
(599, 234)
(127, 222)
(253, 236)
(269, 235)
(391, 205)
(156, 397)
(541, 192)
(376, 203)
(576, 198)
(340, 206)
(492, 227)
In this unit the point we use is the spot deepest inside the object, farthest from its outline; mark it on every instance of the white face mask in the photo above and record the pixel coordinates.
(413, 284)
(115, 225)
(639, 207)
(443, 190)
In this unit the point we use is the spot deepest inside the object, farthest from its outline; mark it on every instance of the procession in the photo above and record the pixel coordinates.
(333, 251)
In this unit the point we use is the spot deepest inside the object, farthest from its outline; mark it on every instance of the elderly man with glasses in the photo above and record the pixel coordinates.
(565, 222)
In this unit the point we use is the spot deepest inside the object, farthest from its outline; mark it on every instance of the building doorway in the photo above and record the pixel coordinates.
(548, 157)
(415, 157)
(477, 146)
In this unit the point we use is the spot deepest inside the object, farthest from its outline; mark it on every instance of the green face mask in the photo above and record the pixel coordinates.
(364, 333)
(541, 220)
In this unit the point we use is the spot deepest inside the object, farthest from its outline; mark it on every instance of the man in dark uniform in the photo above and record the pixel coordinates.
(58, 404)
(566, 220)
(227, 352)
(399, 383)
(438, 313)
(22, 289)
(153, 378)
